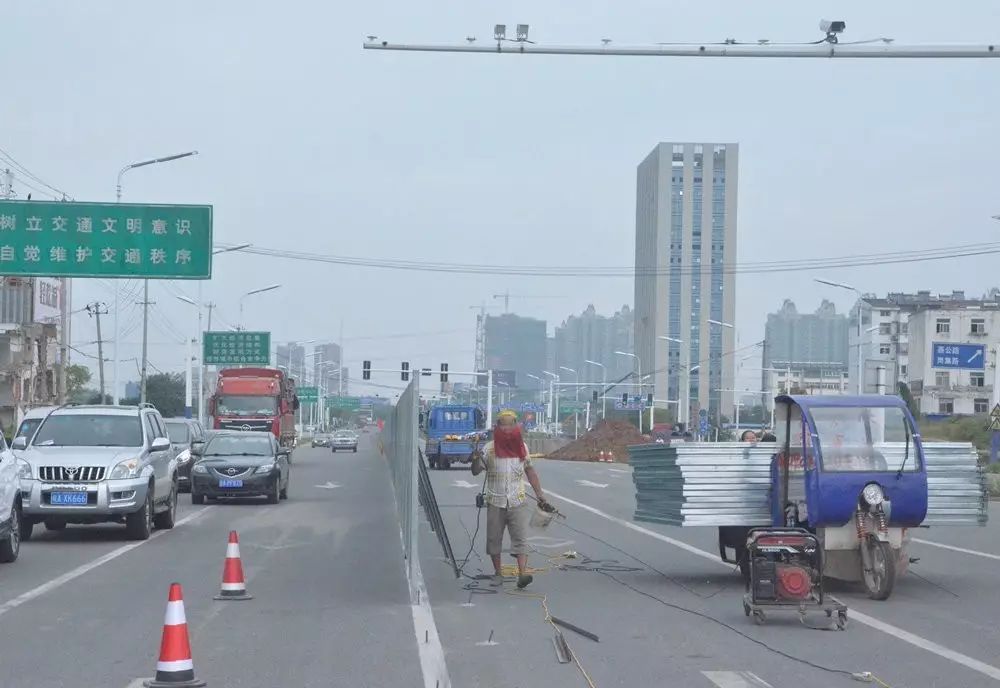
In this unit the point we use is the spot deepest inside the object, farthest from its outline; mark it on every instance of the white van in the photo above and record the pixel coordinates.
(10, 505)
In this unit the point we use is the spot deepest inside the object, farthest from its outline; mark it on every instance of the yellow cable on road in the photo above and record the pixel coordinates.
(548, 619)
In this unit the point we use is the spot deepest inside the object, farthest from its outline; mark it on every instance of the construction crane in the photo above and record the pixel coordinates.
(507, 296)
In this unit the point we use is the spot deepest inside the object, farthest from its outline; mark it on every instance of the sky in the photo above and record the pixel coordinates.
(308, 143)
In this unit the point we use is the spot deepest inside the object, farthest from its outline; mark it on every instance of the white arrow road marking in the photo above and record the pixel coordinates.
(329, 486)
(549, 542)
(587, 483)
(463, 483)
(735, 679)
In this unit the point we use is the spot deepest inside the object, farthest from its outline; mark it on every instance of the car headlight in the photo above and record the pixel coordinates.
(873, 494)
(200, 468)
(266, 468)
(126, 469)
(23, 470)
(184, 456)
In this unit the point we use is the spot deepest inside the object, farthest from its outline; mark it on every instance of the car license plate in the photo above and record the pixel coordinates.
(67, 498)
(230, 483)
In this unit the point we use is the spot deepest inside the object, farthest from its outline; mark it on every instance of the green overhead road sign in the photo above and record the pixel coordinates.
(344, 403)
(308, 394)
(105, 240)
(237, 348)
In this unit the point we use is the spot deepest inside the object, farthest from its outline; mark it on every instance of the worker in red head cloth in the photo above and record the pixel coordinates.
(507, 505)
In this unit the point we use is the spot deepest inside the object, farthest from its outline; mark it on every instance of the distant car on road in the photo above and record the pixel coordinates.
(184, 433)
(240, 464)
(93, 464)
(10, 504)
(321, 441)
(32, 419)
(344, 440)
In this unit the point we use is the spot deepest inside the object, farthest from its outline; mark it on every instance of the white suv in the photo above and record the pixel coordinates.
(92, 464)
(10, 506)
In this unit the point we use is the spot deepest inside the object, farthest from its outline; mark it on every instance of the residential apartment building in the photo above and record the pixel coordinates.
(326, 367)
(594, 337)
(685, 231)
(292, 358)
(516, 343)
(885, 337)
(953, 357)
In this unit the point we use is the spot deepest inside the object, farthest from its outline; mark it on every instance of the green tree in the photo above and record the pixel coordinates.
(165, 391)
(77, 378)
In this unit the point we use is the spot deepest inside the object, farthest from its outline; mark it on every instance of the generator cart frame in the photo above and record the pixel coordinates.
(807, 553)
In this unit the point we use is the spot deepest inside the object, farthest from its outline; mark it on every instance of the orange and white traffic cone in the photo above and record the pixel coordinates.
(175, 668)
(234, 586)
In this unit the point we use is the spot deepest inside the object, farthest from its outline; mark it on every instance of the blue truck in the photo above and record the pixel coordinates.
(453, 433)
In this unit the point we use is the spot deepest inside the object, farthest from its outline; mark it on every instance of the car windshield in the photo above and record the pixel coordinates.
(28, 427)
(344, 435)
(89, 430)
(179, 432)
(247, 405)
(239, 445)
(864, 439)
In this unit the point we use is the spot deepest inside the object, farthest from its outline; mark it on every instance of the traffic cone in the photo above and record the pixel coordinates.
(175, 668)
(234, 586)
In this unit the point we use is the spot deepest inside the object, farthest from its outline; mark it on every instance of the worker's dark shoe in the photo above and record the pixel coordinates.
(524, 581)
(496, 581)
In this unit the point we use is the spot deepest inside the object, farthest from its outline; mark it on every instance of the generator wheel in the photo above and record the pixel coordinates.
(746, 609)
(758, 617)
(841, 620)
(878, 568)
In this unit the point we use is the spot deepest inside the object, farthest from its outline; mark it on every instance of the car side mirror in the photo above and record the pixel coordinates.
(19, 443)
(284, 451)
(160, 444)
(197, 447)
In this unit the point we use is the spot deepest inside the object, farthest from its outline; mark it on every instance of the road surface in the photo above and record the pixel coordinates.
(939, 629)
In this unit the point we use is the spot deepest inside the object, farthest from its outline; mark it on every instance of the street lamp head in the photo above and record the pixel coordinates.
(665, 338)
(626, 353)
(719, 323)
(694, 367)
(570, 370)
(551, 374)
(600, 365)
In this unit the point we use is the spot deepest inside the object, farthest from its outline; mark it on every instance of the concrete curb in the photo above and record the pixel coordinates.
(993, 484)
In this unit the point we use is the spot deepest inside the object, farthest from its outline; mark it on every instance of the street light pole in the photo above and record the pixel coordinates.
(251, 293)
(576, 398)
(145, 287)
(861, 364)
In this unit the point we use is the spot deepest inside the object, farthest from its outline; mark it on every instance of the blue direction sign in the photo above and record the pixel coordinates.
(958, 356)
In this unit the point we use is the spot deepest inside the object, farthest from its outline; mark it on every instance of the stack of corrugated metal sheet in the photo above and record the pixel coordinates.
(702, 484)
(956, 485)
(728, 483)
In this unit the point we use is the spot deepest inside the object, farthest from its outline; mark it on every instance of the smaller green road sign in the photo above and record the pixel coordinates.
(308, 394)
(105, 240)
(344, 403)
(237, 348)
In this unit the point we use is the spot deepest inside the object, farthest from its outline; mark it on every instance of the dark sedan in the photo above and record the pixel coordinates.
(240, 464)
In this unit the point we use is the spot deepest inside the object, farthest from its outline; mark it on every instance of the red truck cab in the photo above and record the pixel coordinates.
(255, 399)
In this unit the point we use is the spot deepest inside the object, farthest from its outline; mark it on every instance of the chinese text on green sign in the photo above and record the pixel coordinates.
(105, 240)
(237, 348)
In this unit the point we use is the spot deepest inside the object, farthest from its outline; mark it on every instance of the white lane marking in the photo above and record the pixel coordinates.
(51, 585)
(432, 662)
(617, 470)
(896, 632)
(463, 483)
(735, 679)
(587, 483)
(328, 486)
(973, 552)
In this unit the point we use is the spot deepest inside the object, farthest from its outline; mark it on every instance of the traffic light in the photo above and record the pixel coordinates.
(649, 400)
(625, 398)
(444, 372)
(404, 374)
(595, 396)
(366, 370)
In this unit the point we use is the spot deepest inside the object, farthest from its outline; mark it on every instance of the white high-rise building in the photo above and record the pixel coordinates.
(685, 234)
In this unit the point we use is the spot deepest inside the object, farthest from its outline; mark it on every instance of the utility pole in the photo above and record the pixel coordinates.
(7, 187)
(94, 309)
(202, 384)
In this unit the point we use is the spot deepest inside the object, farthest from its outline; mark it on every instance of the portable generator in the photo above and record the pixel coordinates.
(786, 574)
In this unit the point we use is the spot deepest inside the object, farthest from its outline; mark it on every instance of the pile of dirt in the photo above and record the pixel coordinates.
(607, 436)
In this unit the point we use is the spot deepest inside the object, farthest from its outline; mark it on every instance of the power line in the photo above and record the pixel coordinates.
(791, 265)
(24, 170)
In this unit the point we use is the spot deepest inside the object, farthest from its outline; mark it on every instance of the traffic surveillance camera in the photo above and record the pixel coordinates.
(522, 32)
(831, 27)
(500, 32)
